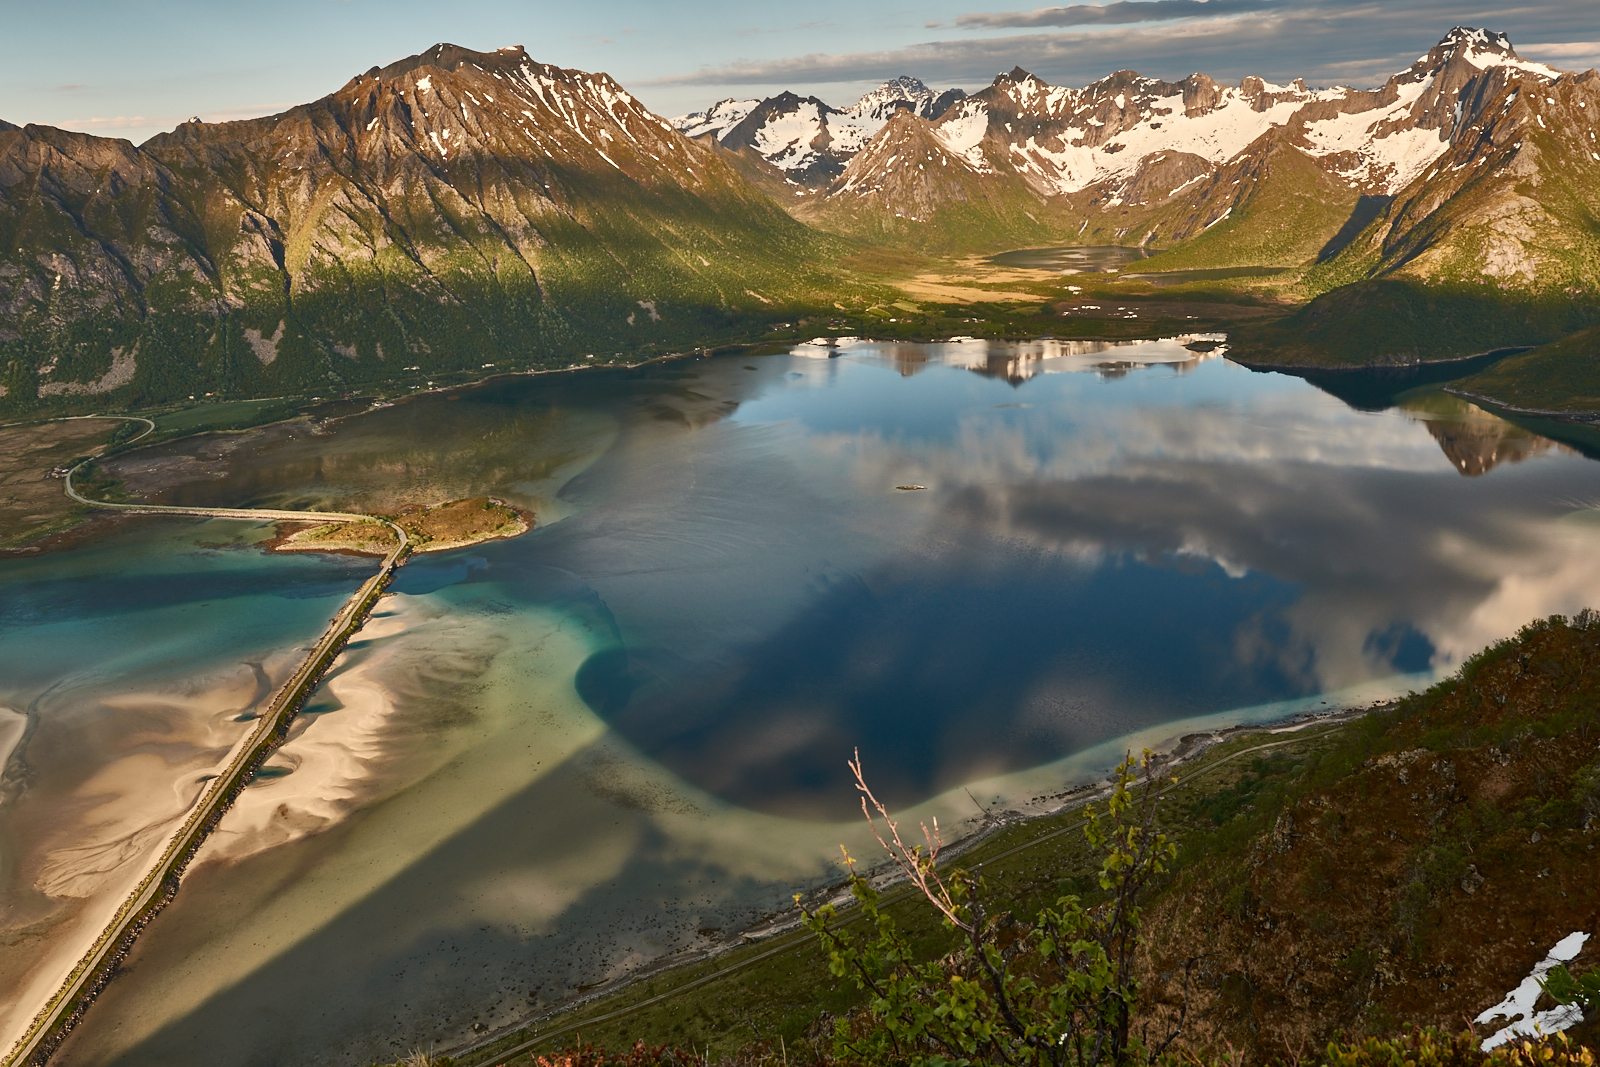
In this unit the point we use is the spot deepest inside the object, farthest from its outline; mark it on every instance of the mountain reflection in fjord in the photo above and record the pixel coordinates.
(1093, 555)
(568, 754)
(1112, 536)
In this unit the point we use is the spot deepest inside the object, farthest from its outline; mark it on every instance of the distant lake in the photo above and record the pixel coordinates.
(1089, 258)
(552, 759)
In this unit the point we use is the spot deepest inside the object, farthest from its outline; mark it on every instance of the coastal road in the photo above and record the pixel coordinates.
(64, 1008)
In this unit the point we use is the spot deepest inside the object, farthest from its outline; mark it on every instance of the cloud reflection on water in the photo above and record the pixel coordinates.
(1087, 569)
(750, 598)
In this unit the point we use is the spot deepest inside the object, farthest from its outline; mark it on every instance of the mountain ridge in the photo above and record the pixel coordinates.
(459, 210)
(804, 139)
(455, 206)
(1092, 153)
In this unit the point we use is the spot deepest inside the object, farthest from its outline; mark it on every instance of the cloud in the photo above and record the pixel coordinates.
(143, 125)
(110, 122)
(1573, 55)
(1120, 13)
(1570, 48)
(953, 60)
(1328, 42)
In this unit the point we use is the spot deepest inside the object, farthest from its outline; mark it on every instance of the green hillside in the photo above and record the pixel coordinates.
(392, 230)
(1401, 870)
(1561, 378)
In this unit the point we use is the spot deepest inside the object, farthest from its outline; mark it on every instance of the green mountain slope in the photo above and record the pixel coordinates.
(1409, 876)
(907, 188)
(1271, 206)
(1495, 245)
(450, 210)
(1562, 378)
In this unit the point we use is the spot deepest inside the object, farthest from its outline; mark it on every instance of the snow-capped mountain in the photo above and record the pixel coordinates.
(1063, 140)
(717, 119)
(1109, 154)
(808, 141)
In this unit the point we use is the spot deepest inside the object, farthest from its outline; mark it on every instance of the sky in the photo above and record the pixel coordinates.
(133, 68)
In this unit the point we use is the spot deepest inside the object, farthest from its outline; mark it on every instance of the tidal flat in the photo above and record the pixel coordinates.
(129, 669)
(550, 761)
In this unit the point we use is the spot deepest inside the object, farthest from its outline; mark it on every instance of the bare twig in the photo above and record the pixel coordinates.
(918, 866)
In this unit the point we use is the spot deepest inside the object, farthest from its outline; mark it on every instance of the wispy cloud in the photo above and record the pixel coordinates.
(1571, 54)
(143, 125)
(1353, 42)
(969, 59)
(1570, 48)
(1123, 12)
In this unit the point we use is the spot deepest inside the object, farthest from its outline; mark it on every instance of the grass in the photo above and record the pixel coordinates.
(779, 989)
(32, 503)
(1321, 888)
(1562, 377)
(1399, 322)
(225, 415)
(367, 538)
(460, 522)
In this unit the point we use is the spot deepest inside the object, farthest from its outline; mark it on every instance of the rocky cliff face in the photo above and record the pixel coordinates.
(1492, 243)
(451, 206)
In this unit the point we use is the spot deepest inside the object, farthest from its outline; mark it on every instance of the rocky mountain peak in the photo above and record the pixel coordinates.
(1473, 39)
(905, 87)
(1129, 139)
(717, 119)
(800, 140)
(904, 93)
(452, 57)
(1466, 51)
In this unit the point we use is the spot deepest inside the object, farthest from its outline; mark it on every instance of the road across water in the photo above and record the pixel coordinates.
(64, 1009)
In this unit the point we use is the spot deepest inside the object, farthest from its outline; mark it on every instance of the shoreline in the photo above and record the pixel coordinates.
(1185, 748)
(63, 537)
(99, 964)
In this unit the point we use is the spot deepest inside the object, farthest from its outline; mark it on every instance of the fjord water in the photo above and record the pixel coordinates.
(551, 760)
(128, 669)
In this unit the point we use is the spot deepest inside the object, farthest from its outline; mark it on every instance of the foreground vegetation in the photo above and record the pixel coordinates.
(1330, 889)
(1419, 1048)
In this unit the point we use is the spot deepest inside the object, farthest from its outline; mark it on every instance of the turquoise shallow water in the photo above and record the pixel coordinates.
(555, 758)
(127, 669)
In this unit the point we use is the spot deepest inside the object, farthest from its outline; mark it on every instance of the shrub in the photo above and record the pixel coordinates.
(1056, 991)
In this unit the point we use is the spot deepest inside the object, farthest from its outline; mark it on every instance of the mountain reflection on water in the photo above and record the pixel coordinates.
(1473, 439)
(1016, 364)
(1114, 535)
(552, 759)
(1073, 260)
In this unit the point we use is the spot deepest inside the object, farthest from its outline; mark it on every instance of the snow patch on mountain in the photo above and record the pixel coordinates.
(789, 140)
(801, 135)
(1486, 49)
(1389, 157)
(716, 120)
(962, 132)
(1067, 140)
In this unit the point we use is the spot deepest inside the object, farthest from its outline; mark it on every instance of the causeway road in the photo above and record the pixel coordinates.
(66, 1006)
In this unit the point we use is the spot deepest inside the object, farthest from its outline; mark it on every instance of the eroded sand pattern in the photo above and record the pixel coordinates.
(129, 670)
(552, 760)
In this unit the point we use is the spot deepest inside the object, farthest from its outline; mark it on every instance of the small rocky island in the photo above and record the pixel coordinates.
(429, 529)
